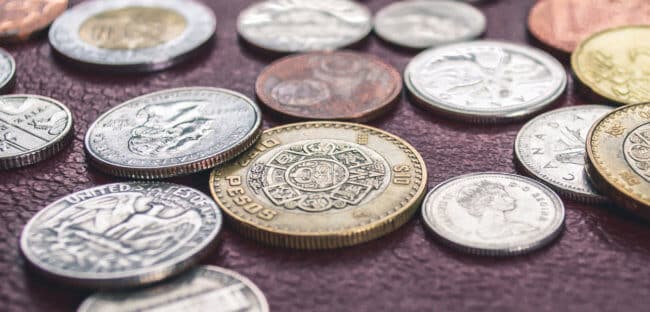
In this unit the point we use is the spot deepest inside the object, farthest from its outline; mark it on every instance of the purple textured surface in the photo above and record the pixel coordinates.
(601, 263)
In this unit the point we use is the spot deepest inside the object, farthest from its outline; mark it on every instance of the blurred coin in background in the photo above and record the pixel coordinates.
(19, 19)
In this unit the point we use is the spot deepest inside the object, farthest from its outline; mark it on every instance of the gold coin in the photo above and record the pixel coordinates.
(615, 64)
(318, 185)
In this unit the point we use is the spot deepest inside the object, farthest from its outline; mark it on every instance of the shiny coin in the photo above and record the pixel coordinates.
(121, 234)
(132, 35)
(173, 132)
(304, 25)
(19, 19)
(493, 213)
(338, 85)
(7, 70)
(485, 81)
(32, 128)
(319, 185)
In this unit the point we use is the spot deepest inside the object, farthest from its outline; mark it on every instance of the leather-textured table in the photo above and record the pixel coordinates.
(601, 263)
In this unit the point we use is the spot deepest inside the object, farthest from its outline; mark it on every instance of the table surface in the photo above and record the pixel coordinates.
(601, 262)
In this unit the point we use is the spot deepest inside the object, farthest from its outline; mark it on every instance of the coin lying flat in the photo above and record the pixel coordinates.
(173, 132)
(121, 234)
(7, 70)
(22, 18)
(318, 185)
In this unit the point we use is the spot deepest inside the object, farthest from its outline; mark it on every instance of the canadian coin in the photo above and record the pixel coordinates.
(304, 25)
(22, 18)
(121, 234)
(318, 185)
(493, 214)
(7, 70)
(173, 132)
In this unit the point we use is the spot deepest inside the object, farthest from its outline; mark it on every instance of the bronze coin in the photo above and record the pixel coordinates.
(329, 85)
(19, 19)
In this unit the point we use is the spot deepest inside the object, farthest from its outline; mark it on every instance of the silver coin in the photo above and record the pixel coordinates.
(485, 81)
(32, 128)
(493, 213)
(7, 70)
(173, 132)
(132, 35)
(304, 25)
(204, 289)
(551, 147)
(421, 24)
(121, 234)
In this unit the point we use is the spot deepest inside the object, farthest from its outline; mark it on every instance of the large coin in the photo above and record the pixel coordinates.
(22, 18)
(493, 213)
(7, 71)
(319, 185)
(173, 132)
(336, 85)
(121, 234)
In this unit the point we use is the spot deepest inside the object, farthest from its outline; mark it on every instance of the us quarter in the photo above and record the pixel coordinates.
(121, 234)
(7, 71)
(173, 132)
(493, 213)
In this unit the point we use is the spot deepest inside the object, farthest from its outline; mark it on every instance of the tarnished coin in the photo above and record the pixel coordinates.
(7, 70)
(318, 185)
(329, 85)
(421, 24)
(494, 214)
(19, 19)
(173, 132)
(304, 25)
(121, 234)
(132, 35)
(485, 81)
(32, 128)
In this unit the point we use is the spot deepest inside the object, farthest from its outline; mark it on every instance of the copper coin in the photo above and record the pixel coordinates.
(563, 24)
(19, 19)
(329, 85)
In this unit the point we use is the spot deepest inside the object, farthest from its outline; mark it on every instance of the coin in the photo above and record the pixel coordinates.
(19, 19)
(173, 132)
(421, 24)
(318, 185)
(494, 214)
(7, 70)
(121, 234)
(204, 289)
(132, 35)
(485, 81)
(32, 129)
(304, 25)
(551, 148)
(329, 85)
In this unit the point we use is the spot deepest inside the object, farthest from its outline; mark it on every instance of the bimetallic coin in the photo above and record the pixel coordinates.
(485, 81)
(318, 185)
(173, 132)
(304, 25)
(32, 128)
(121, 234)
(493, 214)
(330, 85)
(19, 19)
(7, 70)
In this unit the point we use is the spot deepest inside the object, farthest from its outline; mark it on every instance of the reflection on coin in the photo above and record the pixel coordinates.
(204, 289)
(7, 70)
(421, 24)
(493, 214)
(551, 147)
(132, 35)
(21, 18)
(304, 25)
(121, 234)
(329, 85)
(173, 132)
(32, 128)
(485, 81)
(317, 185)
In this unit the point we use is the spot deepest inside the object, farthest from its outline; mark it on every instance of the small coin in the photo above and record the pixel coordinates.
(485, 81)
(330, 85)
(494, 214)
(304, 25)
(173, 132)
(318, 185)
(7, 70)
(22, 18)
(121, 234)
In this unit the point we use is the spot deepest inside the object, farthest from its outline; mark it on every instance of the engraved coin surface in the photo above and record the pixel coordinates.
(493, 213)
(317, 185)
(7, 70)
(19, 19)
(173, 132)
(304, 25)
(121, 234)
(330, 85)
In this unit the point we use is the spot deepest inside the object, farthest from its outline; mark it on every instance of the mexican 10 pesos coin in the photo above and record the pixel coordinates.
(7, 71)
(318, 185)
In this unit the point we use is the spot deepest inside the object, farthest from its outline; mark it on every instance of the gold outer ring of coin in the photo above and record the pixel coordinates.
(357, 234)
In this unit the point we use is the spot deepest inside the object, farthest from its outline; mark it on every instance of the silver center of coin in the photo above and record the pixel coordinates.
(7, 68)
